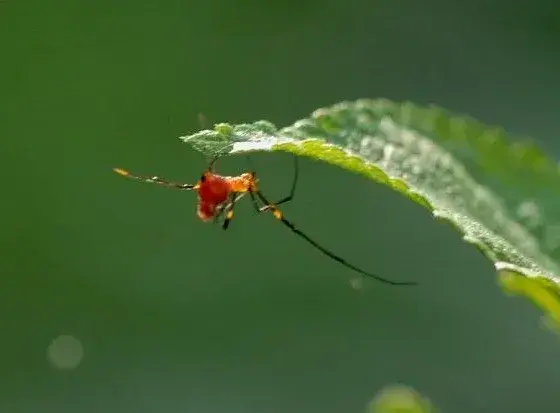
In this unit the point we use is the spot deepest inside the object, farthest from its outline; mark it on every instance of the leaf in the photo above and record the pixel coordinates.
(501, 193)
(400, 399)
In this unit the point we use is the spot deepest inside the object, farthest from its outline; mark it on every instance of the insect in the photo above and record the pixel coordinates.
(218, 195)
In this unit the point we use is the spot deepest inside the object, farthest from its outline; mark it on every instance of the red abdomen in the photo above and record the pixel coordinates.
(212, 191)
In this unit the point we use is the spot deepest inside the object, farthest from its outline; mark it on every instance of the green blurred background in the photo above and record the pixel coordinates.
(176, 316)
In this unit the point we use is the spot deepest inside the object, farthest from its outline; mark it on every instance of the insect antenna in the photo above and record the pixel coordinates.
(202, 120)
(155, 180)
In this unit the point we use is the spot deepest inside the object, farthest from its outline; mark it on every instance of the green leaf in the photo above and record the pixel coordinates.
(400, 399)
(501, 193)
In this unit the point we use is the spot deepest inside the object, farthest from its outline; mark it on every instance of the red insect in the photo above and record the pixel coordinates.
(218, 195)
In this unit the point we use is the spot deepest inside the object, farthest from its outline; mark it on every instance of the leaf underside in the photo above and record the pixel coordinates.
(500, 193)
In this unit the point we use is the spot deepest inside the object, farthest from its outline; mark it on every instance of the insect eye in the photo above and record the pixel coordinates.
(203, 178)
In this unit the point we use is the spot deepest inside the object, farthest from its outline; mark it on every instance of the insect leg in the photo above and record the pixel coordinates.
(280, 217)
(290, 197)
(255, 202)
(219, 212)
(294, 183)
(228, 209)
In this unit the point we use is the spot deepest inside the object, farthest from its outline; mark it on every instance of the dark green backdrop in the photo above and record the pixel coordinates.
(176, 316)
